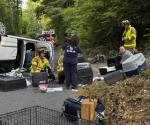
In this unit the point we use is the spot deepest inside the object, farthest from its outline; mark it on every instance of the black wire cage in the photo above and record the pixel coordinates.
(37, 115)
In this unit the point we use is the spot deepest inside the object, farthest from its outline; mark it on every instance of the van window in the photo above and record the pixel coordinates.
(29, 55)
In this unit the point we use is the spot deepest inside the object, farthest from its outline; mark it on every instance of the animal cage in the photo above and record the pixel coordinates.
(37, 115)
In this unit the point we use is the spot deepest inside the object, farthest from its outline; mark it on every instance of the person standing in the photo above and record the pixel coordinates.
(129, 36)
(71, 51)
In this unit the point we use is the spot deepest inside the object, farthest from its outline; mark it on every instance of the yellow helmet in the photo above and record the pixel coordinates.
(41, 50)
(125, 22)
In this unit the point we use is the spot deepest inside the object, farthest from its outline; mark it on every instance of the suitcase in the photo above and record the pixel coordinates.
(9, 83)
(106, 70)
(113, 61)
(39, 78)
(135, 64)
(84, 73)
(115, 76)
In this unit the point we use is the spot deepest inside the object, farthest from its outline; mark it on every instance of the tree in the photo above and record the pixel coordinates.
(97, 22)
(10, 11)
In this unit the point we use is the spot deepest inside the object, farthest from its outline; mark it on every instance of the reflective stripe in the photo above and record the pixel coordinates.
(60, 64)
(133, 35)
(129, 45)
(39, 64)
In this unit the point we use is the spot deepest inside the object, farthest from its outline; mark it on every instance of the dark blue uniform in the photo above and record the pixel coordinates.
(70, 64)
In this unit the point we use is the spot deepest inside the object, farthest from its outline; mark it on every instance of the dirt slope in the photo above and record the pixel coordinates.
(127, 102)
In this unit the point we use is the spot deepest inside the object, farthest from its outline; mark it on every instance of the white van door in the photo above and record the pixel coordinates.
(50, 48)
(8, 48)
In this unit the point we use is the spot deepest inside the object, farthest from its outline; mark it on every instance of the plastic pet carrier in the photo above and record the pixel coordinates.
(38, 116)
(114, 77)
(84, 73)
(39, 78)
(81, 59)
(113, 61)
(9, 83)
(135, 64)
(106, 70)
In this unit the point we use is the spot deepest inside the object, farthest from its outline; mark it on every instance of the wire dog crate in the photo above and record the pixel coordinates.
(37, 115)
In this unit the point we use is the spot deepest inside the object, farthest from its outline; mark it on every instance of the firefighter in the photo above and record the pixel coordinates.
(129, 36)
(40, 63)
(60, 69)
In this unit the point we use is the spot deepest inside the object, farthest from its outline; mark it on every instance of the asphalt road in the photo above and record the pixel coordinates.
(14, 100)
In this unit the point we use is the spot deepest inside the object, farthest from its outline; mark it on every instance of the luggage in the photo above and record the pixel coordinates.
(71, 109)
(135, 64)
(88, 107)
(84, 73)
(115, 76)
(106, 70)
(9, 83)
(113, 61)
(39, 78)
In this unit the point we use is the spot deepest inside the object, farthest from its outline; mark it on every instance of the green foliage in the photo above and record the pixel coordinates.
(10, 15)
(97, 22)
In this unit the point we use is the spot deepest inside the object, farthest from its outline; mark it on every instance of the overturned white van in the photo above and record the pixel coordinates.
(13, 50)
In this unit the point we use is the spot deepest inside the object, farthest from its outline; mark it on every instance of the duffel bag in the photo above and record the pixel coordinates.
(72, 108)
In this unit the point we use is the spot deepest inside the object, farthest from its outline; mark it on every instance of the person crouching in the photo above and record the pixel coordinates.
(40, 62)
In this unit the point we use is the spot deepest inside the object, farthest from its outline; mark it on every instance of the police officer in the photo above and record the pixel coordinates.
(39, 62)
(71, 50)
